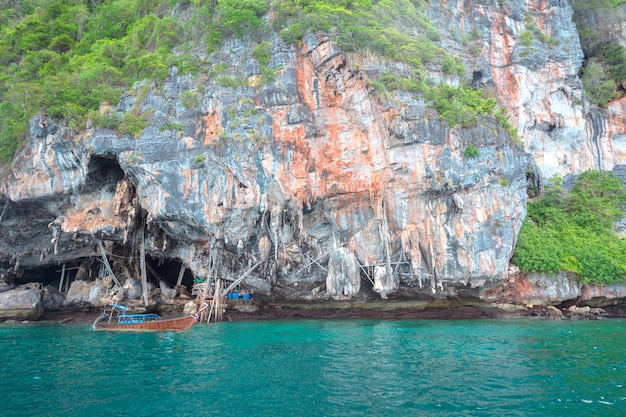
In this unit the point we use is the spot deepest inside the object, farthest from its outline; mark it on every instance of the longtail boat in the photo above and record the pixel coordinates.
(118, 320)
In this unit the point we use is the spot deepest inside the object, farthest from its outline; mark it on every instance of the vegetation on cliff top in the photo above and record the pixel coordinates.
(572, 231)
(68, 57)
(399, 31)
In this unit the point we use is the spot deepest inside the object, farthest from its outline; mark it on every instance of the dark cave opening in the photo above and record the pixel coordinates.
(52, 274)
(49, 274)
(103, 173)
(167, 270)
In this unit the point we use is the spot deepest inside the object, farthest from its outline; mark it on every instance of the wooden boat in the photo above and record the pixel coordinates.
(118, 320)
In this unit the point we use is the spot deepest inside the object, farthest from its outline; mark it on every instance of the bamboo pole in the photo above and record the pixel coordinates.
(142, 267)
(241, 278)
(62, 277)
(181, 273)
(218, 312)
(211, 310)
(4, 210)
(213, 304)
(106, 264)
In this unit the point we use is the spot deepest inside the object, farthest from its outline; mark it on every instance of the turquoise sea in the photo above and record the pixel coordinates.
(318, 368)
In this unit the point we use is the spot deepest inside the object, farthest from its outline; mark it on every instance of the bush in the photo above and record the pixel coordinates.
(573, 231)
(471, 151)
(189, 100)
(262, 52)
(598, 87)
(105, 121)
(227, 81)
(599, 27)
(596, 200)
(239, 17)
(537, 250)
(132, 125)
(460, 106)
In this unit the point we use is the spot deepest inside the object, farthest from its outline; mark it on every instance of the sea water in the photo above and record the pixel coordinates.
(318, 368)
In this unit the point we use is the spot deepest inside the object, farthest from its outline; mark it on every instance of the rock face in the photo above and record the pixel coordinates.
(290, 171)
(21, 303)
(540, 289)
(344, 278)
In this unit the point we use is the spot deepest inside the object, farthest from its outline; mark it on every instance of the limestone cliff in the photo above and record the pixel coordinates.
(288, 171)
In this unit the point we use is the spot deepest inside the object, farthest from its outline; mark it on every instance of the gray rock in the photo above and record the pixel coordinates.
(287, 171)
(167, 292)
(21, 298)
(343, 278)
(83, 293)
(132, 289)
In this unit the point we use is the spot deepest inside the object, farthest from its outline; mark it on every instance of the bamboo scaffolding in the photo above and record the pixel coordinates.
(238, 280)
(212, 304)
(107, 265)
(4, 210)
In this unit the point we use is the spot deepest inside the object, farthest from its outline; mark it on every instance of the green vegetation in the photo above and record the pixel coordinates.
(380, 27)
(573, 231)
(199, 159)
(189, 100)
(359, 25)
(262, 52)
(460, 106)
(535, 31)
(67, 57)
(471, 151)
(599, 26)
(132, 124)
(172, 126)
(600, 89)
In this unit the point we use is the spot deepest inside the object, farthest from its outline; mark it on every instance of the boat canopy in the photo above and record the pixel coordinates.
(120, 307)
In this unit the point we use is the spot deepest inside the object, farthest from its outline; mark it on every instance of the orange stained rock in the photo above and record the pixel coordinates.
(332, 159)
(91, 216)
(459, 230)
(500, 56)
(213, 125)
(189, 184)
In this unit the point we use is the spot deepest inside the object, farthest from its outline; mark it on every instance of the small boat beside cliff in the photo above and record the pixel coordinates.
(118, 320)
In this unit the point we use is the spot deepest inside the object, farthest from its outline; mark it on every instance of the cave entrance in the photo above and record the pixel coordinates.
(103, 174)
(167, 270)
(58, 276)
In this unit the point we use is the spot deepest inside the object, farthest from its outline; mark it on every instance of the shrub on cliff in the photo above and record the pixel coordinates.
(599, 24)
(573, 231)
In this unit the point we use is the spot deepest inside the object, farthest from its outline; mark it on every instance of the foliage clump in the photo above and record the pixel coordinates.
(572, 231)
(67, 57)
(471, 151)
(380, 27)
(599, 25)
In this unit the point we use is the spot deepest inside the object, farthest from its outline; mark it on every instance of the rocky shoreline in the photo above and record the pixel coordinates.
(387, 310)
(521, 296)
